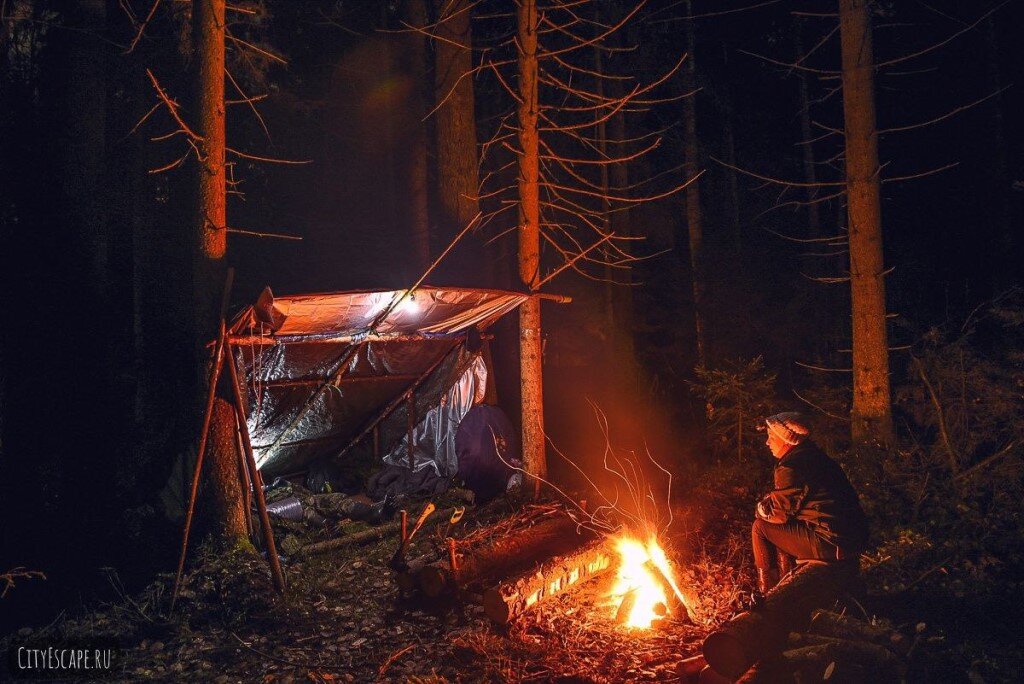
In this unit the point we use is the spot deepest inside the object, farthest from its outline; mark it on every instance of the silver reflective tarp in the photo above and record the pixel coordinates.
(316, 375)
(434, 437)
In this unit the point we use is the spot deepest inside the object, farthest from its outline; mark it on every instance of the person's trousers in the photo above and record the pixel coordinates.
(794, 537)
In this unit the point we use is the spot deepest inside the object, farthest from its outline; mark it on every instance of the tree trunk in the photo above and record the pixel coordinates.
(211, 218)
(807, 149)
(1004, 246)
(455, 119)
(210, 236)
(85, 147)
(530, 349)
(416, 169)
(872, 408)
(691, 167)
(224, 487)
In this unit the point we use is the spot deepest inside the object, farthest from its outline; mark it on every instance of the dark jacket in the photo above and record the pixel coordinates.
(811, 487)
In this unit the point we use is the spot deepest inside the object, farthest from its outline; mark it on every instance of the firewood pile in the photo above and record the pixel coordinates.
(789, 638)
(834, 647)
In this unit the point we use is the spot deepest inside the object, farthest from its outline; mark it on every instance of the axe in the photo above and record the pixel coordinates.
(398, 560)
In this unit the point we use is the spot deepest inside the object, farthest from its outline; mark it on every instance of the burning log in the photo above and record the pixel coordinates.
(758, 634)
(501, 556)
(512, 597)
(626, 607)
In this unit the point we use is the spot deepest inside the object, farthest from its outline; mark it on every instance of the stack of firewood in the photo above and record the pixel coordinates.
(834, 647)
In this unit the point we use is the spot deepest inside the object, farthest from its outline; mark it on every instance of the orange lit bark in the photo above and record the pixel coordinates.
(872, 409)
(210, 228)
(208, 43)
(530, 349)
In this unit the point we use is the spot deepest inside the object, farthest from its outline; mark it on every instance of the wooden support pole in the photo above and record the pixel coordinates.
(218, 363)
(243, 478)
(397, 401)
(405, 525)
(261, 502)
(410, 428)
(332, 381)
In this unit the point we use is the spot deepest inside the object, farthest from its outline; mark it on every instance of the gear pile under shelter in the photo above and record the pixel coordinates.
(392, 372)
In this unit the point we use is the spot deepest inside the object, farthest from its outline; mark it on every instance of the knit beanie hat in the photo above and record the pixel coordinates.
(791, 427)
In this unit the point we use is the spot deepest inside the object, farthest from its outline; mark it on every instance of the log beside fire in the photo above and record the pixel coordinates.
(757, 634)
(791, 638)
(498, 557)
(514, 595)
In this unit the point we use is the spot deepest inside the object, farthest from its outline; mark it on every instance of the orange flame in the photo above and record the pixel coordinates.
(643, 572)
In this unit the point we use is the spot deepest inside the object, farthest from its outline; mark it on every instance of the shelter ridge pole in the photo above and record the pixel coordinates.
(261, 502)
(218, 363)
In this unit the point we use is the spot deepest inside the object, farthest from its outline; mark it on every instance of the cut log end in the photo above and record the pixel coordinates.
(728, 654)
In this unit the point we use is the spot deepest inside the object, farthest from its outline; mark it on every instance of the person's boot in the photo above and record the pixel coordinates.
(786, 564)
(767, 578)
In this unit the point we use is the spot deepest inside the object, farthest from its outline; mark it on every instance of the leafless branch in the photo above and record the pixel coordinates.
(282, 236)
(936, 46)
(943, 117)
(172, 107)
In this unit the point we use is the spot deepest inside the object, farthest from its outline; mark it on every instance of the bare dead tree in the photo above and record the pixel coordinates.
(871, 412)
(694, 215)
(558, 141)
(455, 115)
(570, 174)
(199, 133)
(854, 175)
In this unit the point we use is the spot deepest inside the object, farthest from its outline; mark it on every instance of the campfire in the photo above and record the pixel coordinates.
(645, 589)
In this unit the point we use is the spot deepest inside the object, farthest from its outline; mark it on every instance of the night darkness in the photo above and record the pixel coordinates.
(351, 165)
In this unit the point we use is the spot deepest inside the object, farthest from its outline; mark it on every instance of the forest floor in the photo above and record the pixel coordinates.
(344, 619)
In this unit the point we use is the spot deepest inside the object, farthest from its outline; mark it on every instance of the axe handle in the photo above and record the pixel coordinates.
(428, 509)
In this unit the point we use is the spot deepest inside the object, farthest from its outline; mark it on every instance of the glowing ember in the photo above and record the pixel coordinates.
(644, 575)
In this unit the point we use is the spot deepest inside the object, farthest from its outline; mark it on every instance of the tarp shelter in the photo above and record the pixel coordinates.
(324, 372)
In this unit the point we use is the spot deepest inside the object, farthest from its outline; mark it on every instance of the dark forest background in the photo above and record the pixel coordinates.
(100, 362)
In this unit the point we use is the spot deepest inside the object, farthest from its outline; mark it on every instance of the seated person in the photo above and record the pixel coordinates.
(812, 513)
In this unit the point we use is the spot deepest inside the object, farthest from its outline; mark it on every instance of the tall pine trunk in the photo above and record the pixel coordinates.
(455, 119)
(416, 170)
(210, 226)
(872, 409)
(691, 167)
(530, 348)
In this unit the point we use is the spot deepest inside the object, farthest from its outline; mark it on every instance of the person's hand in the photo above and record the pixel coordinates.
(763, 509)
